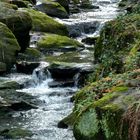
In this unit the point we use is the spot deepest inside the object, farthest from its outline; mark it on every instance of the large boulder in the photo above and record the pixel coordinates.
(19, 22)
(64, 3)
(53, 9)
(43, 23)
(53, 42)
(63, 70)
(8, 48)
(107, 109)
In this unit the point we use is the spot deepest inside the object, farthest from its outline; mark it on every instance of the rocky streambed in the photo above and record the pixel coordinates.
(53, 55)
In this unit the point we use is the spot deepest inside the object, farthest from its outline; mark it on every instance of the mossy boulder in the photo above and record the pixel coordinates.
(70, 70)
(52, 8)
(8, 5)
(19, 22)
(8, 48)
(43, 23)
(53, 42)
(117, 39)
(30, 54)
(20, 3)
(15, 133)
(9, 85)
(71, 57)
(102, 108)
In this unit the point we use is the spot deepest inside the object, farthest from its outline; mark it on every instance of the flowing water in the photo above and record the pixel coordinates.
(56, 103)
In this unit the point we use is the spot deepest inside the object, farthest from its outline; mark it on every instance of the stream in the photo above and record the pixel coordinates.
(55, 100)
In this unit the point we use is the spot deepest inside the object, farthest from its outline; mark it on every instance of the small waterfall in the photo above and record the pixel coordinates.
(41, 76)
(76, 79)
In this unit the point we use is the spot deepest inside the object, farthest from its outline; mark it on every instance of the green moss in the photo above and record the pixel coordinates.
(57, 42)
(8, 5)
(105, 100)
(111, 122)
(119, 89)
(32, 52)
(43, 23)
(17, 21)
(53, 4)
(8, 46)
(88, 129)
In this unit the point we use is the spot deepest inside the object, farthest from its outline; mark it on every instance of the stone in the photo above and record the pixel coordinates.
(64, 70)
(9, 85)
(22, 105)
(18, 22)
(8, 48)
(53, 9)
(19, 3)
(43, 23)
(26, 67)
(53, 42)
(90, 40)
(30, 54)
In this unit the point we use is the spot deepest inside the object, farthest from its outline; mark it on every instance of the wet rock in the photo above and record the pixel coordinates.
(19, 22)
(53, 42)
(26, 67)
(65, 4)
(11, 100)
(76, 29)
(90, 40)
(67, 121)
(15, 133)
(53, 9)
(67, 83)
(8, 48)
(22, 105)
(105, 1)
(31, 1)
(30, 54)
(86, 4)
(61, 124)
(43, 23)
(74, 9)
(9, 85)
(19, 3)
(63, 70)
